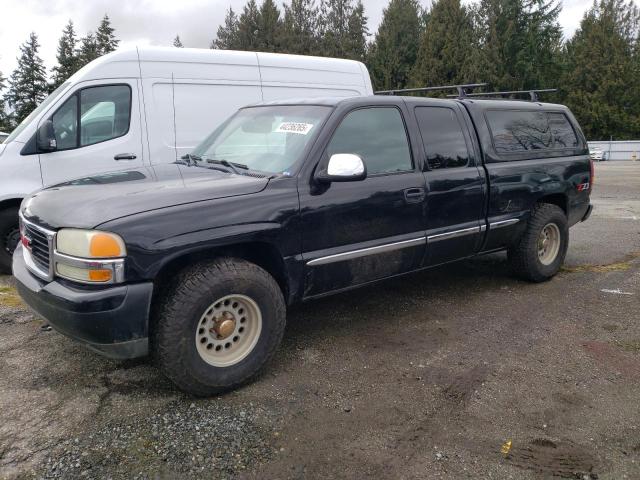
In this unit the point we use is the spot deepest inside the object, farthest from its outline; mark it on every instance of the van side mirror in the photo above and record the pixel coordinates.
(46, 137)
(343, 167)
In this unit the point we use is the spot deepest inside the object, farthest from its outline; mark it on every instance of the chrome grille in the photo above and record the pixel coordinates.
(37, 248)
(40, 249)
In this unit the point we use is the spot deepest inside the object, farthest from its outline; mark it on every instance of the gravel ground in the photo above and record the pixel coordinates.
(461, 372)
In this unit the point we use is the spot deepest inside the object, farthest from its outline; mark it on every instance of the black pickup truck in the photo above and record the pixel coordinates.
(196, 262)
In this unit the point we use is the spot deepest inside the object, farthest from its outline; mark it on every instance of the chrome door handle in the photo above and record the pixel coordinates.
(125, 156)
(414, 195)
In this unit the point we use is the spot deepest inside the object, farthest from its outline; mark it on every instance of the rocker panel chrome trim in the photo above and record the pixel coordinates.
(503, 223)
(389, 247)
(456, 233)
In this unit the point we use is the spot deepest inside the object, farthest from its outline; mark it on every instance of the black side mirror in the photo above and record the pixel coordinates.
(46, 137)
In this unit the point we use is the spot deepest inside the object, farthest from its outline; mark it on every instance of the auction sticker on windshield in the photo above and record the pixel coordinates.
(295, 127)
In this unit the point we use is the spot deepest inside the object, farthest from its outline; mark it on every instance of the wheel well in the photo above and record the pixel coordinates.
(10, 202)
(558, 199)
(262, 254)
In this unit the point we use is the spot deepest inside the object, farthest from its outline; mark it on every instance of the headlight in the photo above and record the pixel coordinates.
(89, 244)
(89, 256)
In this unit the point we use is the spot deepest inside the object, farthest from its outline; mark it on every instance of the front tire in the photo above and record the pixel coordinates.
(541, 250)
(217, 325)
(9, 237)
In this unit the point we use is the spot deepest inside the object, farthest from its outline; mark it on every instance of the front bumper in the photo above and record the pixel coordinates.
(587, 213)
(113, 321)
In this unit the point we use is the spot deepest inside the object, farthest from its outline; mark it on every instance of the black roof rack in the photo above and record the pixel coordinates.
(533, 94)
(462, 89)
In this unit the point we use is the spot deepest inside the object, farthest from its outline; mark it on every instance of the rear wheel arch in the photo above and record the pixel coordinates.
(559, 199)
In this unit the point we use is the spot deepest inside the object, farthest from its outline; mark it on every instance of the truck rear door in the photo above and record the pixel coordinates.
(456, 186)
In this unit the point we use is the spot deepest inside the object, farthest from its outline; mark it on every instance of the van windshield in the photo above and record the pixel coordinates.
(46, 102)
(268, 139)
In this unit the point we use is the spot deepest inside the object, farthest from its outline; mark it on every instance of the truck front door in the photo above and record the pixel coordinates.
(356, 232)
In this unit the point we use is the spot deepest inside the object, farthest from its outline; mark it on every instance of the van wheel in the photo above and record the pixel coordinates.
(9, 237)
(540, 252)
(217, 325)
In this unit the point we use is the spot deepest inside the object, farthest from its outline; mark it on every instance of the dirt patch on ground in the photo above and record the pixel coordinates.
(9, 297)
(609, 267)
(563, 459)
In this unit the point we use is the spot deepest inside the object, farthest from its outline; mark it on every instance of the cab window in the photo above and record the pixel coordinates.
(93, 115)
(443, 138)
(378, 136)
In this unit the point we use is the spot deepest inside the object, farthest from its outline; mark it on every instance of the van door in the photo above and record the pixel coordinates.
(455, 185)
(97, 129)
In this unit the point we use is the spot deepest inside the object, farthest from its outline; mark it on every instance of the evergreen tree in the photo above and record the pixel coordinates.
(67, 58)
(5, 119)
(601, 82)
(105, 37)
(270, 27)
(299, 29)
(28, 83)
(177, 43)
(445, 53)
(227, 36)
(357, 33)
(88, 50)
(342, 29)
(395, 47)
(249, 27)
(521, 43)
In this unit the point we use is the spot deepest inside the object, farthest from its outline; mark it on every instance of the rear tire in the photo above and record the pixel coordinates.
(217, 325)
(541, 250)
(9, 237)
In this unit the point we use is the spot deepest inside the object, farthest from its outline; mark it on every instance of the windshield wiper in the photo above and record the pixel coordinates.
(191, 158)
(226, 163)
(192, 161)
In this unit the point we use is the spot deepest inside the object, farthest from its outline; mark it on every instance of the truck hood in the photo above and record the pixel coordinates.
(91, 201)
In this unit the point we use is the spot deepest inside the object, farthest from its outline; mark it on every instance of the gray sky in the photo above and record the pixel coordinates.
(152, 22)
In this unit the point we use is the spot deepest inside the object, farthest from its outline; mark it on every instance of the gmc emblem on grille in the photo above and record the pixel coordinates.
(26, 242)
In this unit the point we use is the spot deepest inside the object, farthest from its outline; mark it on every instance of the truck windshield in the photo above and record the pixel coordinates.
(268, 139)
(46, 102)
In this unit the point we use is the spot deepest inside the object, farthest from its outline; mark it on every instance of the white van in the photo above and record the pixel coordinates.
(145, 106)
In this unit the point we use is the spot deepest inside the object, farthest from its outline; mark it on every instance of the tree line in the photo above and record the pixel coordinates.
(510, 44)
(28, 85)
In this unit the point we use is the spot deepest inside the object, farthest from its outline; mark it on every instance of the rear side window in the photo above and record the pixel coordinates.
(519, 131)
(563, 133)
(443, 139)
(378, 136)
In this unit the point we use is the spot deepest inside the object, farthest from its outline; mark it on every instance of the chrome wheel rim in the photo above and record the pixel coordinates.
(548, 244)
(228, 330)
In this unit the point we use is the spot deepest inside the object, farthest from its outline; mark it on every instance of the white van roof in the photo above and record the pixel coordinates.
(194, 63)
